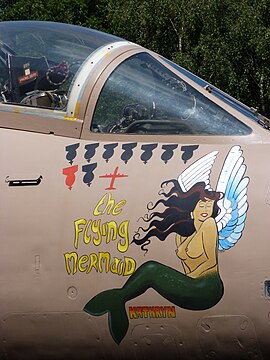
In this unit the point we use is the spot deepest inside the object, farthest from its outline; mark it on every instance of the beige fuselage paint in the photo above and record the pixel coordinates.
(43, 226)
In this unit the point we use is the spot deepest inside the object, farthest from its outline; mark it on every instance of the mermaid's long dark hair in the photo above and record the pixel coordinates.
(176, 217)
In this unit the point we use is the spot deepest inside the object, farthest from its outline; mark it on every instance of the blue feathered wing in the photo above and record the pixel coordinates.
(234, 205)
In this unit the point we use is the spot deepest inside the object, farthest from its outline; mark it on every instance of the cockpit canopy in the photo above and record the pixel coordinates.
(39, 60)
(48, 65)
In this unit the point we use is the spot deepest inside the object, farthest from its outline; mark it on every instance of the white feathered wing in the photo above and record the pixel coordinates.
(234, 204)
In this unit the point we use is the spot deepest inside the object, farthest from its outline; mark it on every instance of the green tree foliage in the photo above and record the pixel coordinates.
(164, 26)
(69, 11)
(223, 41)
(228, 50)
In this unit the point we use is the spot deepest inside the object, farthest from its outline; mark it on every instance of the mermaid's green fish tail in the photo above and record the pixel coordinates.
(183, 291)
(110, 301)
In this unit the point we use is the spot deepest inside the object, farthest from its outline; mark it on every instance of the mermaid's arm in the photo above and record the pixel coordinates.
(209, 257)
(177, 240)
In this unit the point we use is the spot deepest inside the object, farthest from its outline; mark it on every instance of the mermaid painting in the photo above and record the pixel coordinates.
(203, 221)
